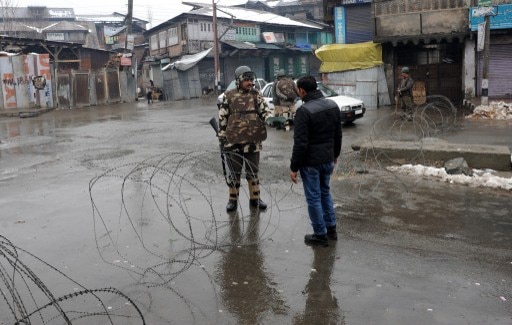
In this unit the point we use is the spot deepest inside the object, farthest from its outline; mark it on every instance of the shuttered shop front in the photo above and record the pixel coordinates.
(500, 71)
(359, 23)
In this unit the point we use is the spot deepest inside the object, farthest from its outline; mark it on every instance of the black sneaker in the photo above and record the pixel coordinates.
(331, 233)
(316, 240)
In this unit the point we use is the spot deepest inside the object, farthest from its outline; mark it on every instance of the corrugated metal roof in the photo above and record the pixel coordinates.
(256, 16)
(65, 26)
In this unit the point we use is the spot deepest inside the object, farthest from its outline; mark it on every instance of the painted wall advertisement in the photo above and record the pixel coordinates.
(26, 81)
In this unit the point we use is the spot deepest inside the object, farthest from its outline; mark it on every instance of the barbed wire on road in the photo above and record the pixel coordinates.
(170, 220)
(436, 118)
(27, 299)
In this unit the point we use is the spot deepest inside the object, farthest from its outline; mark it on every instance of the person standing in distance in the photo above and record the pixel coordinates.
(405, 93)
(316, 148)
(242, 130)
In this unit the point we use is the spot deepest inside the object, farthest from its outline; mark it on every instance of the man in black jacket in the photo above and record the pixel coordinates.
(316, 147)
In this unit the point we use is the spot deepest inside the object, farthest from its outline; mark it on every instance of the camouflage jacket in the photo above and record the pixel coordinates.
(225, 112)
(286, 90)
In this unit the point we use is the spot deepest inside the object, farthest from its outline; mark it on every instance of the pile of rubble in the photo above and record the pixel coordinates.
(494, 111)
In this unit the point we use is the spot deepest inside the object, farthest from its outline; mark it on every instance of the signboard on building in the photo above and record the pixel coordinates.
(339, 25)
(229, 35)
(126, 60)
(501, 20)
(483, 11)
(484, 3)
(271, 37)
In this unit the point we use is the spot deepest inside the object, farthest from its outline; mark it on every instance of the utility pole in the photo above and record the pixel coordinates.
(128, 25)
(487, 41)
(485, 70)
(215, 49)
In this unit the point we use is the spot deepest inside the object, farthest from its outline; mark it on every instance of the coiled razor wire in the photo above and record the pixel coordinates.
(28, 300)
(436, 118)
(169, 223)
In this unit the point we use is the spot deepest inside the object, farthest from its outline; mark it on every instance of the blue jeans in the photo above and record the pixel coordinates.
(316, 181)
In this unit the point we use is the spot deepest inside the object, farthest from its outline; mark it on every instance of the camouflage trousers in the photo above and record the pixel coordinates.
(406, 103)
(235, 164)
(285, 108)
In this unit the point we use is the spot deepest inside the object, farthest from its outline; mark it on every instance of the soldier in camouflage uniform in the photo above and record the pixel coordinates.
(284, 93)
(405, 93)
(242, 117)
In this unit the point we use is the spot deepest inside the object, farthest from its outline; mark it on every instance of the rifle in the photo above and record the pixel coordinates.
(215, 126)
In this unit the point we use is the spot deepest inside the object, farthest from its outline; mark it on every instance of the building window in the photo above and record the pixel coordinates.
(154, 42)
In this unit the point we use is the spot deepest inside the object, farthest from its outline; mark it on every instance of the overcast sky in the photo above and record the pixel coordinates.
(156, 11)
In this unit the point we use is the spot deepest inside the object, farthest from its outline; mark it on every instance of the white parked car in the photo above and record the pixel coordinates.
(258, 83)
(350, 108)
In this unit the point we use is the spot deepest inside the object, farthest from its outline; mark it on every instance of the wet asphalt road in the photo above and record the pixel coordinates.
(132, 197)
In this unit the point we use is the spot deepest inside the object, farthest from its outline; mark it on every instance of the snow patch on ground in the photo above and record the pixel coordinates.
(480, 178)
(495, 111)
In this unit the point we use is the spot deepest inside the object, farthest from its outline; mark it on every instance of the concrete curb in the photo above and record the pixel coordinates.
(432, 149)
(25, 113)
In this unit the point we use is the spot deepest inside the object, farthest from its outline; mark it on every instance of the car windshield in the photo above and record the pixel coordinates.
(328, 92)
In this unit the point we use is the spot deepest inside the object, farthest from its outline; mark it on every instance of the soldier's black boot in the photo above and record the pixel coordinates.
(233, 199)
(232, 205)
(258, 203)
(254, 195)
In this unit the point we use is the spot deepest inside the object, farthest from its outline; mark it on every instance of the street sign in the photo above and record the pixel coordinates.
(483, 11)
(484, 3)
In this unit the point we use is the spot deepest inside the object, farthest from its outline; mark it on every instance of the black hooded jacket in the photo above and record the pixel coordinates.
(317, 132)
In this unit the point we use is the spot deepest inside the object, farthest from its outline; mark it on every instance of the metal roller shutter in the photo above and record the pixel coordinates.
(500, 71)
(359, 23)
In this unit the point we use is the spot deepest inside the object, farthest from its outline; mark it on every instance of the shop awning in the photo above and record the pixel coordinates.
(251, 46)
(187, 61)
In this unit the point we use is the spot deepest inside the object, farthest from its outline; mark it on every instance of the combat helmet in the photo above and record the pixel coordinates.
(243, 72)
(281, 73)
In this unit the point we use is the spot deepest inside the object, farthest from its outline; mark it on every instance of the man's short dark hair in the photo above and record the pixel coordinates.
(308, 83)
